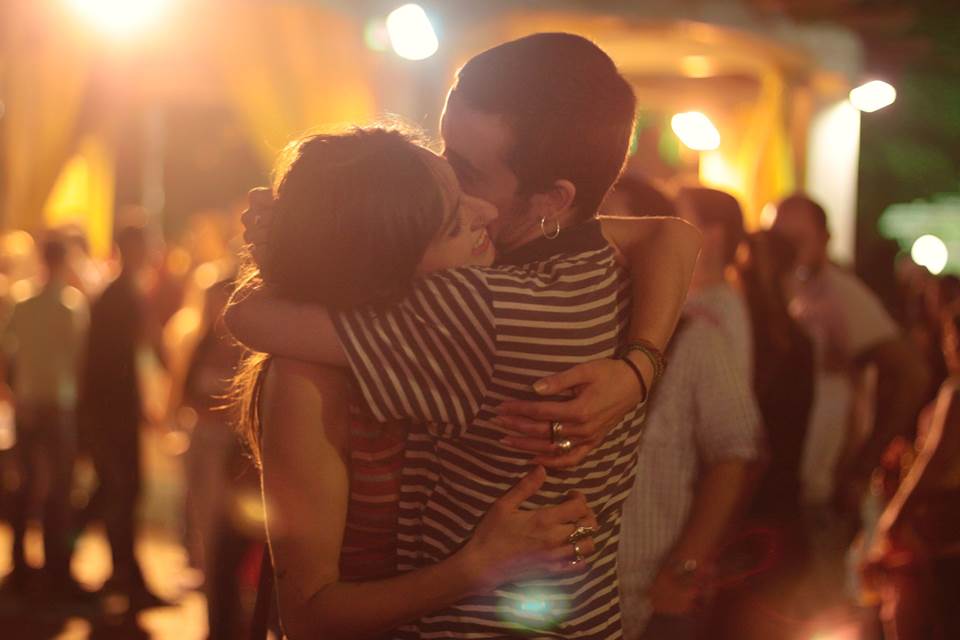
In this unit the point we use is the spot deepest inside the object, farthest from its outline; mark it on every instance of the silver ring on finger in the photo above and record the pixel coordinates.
(564, 446)
(555, 429)
(580, 533)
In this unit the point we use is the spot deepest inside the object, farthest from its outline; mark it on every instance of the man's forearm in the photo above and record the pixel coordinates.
(719, 495)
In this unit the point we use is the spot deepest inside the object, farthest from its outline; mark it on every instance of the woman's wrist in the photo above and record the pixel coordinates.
(471, 569)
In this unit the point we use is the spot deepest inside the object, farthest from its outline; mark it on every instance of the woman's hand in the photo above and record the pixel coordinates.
(605, 391)
(511, 544)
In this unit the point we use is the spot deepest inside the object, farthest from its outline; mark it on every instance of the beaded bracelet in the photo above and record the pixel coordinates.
(652, 353)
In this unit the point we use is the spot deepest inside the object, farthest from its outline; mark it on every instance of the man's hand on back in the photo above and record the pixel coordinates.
(604, 391)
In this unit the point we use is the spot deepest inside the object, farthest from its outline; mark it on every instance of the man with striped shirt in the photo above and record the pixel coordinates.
(467, 339)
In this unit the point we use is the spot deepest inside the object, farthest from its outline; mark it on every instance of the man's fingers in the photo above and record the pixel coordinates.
(524, 489)
(565, 460)
(563, 381)
(524, 426)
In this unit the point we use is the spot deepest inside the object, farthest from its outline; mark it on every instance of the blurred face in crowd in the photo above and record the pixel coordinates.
(476, 145)
(462, 239)
(798, 225)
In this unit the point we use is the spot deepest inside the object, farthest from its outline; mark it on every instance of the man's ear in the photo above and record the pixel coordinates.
(556, 202)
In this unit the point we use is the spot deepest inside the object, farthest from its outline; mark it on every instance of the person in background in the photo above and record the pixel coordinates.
(835, 304)
(714, 290)
(42, 342)
(700, 441)
(769, 549)
(214, 449)
(633, 195)
(910, 557)
(112, 410)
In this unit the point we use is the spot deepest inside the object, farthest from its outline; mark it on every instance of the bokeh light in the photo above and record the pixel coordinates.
(120, 17)
(696, 131)
(411, 34)
(930, 251)
(873, 96)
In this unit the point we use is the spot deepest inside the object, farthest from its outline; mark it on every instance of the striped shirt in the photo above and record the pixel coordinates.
(463, 341)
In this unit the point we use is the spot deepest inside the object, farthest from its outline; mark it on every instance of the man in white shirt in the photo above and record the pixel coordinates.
(853, 331)
(42, 344)
(701, 438)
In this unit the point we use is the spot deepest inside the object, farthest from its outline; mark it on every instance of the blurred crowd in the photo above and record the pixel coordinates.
(102, 360)
(800, 466)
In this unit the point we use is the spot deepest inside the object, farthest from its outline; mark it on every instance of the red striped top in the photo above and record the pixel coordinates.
(369, 549)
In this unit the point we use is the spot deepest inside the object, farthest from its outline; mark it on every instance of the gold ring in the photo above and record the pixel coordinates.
(555, 429)
(564, 446)
(580, 533)
(577, 552)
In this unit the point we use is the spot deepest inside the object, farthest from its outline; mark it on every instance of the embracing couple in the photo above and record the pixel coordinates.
(454, 459)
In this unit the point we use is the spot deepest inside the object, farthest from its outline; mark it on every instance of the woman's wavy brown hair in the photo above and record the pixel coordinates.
(354, 214)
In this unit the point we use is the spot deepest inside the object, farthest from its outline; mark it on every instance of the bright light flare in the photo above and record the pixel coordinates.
(696, 131)
(873, 96)
(929, 251)
(411, 34)
(119, 17)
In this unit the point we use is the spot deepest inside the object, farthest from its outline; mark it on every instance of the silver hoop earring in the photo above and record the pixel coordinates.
(543, 228)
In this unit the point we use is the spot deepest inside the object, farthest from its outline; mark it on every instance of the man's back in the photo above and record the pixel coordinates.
(110, 381)
(45, 335)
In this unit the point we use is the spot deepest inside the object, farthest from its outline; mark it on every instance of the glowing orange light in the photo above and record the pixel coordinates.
(119, 17)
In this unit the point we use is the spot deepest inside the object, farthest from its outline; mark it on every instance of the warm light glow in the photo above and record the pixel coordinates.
(119, 17)
(697, 66)
(873, 96)
(411, 34)
(696, 131)
(930, 252)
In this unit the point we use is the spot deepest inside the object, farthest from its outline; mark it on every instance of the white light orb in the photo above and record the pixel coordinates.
(696, 131)
(411, 34)
(929, 251)
(873, 96)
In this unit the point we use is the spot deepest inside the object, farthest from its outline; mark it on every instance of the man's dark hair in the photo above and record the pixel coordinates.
(717, 208)
(54, 253)
(800, 201)
(570, 112)
(644, 199)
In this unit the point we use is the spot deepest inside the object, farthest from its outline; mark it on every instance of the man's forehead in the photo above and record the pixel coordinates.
(479, 137)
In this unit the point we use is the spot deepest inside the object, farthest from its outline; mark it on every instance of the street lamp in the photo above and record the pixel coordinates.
(873, 96)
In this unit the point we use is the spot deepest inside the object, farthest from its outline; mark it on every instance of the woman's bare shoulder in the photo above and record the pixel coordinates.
(301, 396)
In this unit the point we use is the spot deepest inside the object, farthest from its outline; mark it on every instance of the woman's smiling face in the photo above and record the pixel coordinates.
(462, 239)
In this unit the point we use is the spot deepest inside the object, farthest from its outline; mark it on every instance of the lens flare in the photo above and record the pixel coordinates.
(696, 131)
(411, 34)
